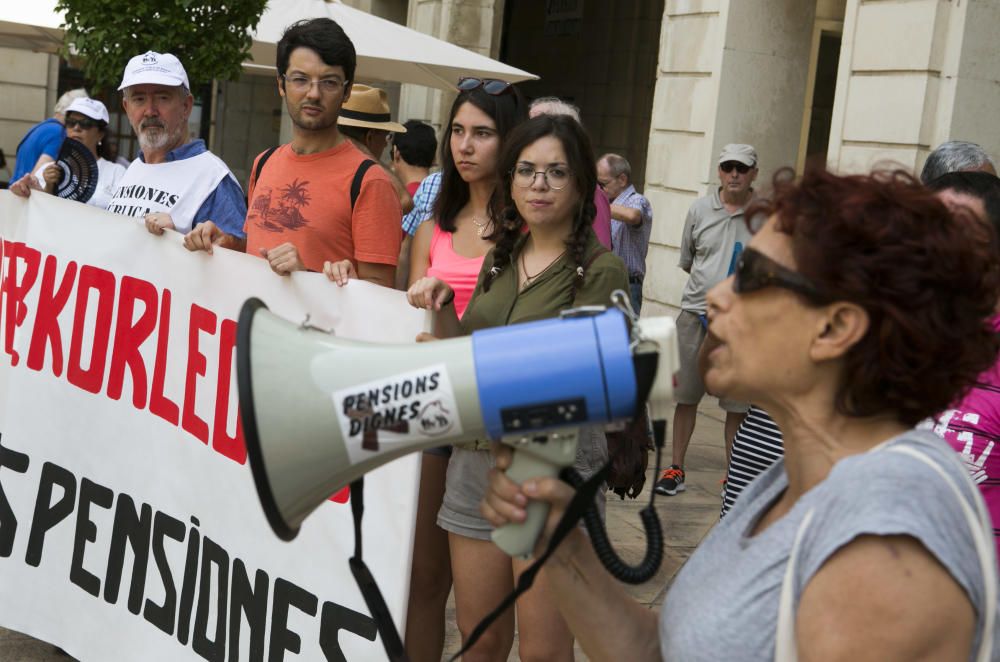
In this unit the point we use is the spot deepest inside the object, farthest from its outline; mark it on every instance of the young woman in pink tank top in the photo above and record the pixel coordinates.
(451, 247)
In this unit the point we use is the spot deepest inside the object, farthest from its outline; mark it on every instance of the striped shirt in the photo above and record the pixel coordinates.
(630, 242)
(756, 446)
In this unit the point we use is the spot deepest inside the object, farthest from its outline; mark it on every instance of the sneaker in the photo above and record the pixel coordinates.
(722, 488)
(671, 481)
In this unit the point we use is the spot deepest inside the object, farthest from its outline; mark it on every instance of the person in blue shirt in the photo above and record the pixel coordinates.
(42, 142)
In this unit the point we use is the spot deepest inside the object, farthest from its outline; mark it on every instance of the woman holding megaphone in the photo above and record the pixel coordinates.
(546, 260)
(859, 309)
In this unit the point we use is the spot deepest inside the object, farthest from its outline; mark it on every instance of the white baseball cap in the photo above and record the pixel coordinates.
(154, 69)
(92, 108)
(744, 154)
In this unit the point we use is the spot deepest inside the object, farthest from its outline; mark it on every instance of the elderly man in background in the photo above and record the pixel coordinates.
(631, 220)
(175, 183)
(956, 156)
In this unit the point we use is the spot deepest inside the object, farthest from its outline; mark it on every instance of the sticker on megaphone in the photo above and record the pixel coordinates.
(399, 409)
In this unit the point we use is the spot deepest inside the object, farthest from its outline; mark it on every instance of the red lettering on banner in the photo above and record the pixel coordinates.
(129, 337)
(232, 447)
(102, 282)
(16, 291)
(201, 320)
(51, 302)
(159, 404)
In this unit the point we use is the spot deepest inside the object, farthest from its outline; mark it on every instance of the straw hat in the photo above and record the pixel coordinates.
(368, 107)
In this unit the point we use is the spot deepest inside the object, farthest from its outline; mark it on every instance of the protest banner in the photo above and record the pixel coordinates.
(129, 523)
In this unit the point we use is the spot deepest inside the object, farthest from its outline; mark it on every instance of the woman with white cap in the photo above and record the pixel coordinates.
(87, 122)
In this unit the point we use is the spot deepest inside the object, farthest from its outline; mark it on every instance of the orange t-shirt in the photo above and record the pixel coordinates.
(306, 200)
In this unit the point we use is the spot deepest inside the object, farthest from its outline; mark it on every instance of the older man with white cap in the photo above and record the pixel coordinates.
(715, 232)
(175, 183)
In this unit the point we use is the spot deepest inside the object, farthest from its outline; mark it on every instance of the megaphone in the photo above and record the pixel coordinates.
(320, 411)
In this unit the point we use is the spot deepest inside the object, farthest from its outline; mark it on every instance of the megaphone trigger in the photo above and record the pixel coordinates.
(537, 456)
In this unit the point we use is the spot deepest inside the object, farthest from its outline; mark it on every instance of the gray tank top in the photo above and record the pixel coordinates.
(724, 602)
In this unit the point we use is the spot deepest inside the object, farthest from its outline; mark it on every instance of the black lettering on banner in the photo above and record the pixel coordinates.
(86, 531)
(434, 380)
(187, 588)
(213, 650)
(174, 197)
(421, 385)
(407, 388)
(162, 616)
(286, 595)
(251, 601)
(132, 527)
(336, 618)
(48, 514)
(17, 462)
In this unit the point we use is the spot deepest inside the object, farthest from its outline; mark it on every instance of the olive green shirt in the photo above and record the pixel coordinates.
(549, 293)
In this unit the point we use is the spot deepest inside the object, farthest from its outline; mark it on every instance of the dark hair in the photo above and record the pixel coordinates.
(102, 126)
(507, 110)
(579, 158)
(359, 133)
(927, 279)
(978, 184)
(417, 145)
(326, 38)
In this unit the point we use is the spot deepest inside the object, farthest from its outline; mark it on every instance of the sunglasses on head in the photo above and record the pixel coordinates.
(755, 271)
(493, 86)
(83, 123)
(741, 168)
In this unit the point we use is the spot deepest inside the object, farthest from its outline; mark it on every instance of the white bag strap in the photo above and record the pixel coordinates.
(785, 649)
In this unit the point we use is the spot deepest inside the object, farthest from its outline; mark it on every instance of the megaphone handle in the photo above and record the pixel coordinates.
(519, 539)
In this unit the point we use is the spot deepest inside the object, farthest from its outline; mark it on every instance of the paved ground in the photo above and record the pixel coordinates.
(686, 519)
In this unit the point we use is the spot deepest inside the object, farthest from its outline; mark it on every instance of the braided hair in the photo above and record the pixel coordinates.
(579, 157)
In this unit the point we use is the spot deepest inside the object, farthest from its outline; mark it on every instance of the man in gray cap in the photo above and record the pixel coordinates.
(715, 233)
(175, 183)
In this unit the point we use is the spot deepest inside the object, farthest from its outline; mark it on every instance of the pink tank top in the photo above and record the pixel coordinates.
(460, 272)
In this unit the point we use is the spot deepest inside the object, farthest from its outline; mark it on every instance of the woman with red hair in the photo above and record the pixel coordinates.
(860, 307)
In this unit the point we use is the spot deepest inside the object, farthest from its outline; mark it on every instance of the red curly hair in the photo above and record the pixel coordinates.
(927, 278)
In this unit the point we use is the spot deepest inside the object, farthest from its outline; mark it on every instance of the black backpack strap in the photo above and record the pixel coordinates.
(260, 166)
(359, 177)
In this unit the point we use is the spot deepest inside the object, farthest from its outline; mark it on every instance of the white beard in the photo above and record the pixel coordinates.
(155, 139)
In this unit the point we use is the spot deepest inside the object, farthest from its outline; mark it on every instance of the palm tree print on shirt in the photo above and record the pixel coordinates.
(286, 213)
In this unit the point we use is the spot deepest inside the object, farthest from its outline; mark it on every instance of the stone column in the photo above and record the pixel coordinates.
(913, 74)
(729, 71)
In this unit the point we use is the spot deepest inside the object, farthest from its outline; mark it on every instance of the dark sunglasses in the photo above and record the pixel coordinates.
(493, 86)
(741, 168)
(82, 123)
(755, 271)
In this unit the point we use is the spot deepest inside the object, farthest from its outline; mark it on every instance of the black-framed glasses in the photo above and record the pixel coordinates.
(741, 168)
(493, 86)
(303, 84)
(556, 177)
(83, 122)
(755, 271)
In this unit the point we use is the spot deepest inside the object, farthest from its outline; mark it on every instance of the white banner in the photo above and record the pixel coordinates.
(129, 524)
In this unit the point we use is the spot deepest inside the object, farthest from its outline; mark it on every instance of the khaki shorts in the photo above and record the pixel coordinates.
(465, 484)
(690, 387)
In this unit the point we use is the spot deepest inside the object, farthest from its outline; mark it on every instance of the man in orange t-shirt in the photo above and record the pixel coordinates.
(300, 214)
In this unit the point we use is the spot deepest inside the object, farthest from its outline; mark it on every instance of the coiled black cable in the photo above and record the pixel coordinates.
(619, 569)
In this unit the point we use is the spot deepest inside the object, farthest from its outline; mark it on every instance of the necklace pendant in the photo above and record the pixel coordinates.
(479, 230)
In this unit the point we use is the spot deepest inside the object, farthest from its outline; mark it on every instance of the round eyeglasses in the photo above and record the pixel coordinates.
(556, 177)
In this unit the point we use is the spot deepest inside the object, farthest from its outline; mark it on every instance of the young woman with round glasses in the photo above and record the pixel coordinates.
(546, 260)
